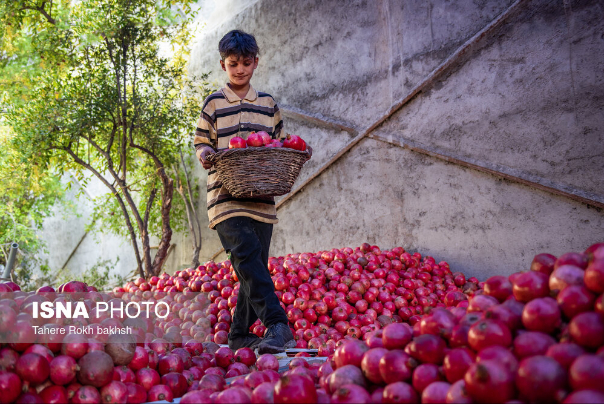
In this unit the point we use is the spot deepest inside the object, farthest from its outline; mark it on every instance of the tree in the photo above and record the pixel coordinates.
(89, 91)
(188, 194)
(27, 194)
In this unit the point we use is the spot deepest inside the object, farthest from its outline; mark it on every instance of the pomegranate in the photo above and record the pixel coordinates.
(396, 365)
(587, 373)
(176, 382)
(295, 389)
(266, 138)
(254, 140)
(114, 392)
(427, 348)
(172, 363)
(212, 382)
(594, 276)
(575, 299)
(136, 393)
(245, 356)
(263, 393)
(96, 369)
(294, 142)
(54, 394)
(86, 395)
(75, 345)
(147, 378)
(500, 355)
(32, 368)
(564, 276)
(396, 335)
(237, 143)
(498, 287)
(439, 322)
(424, 375)
(489, 382)
(8, 359)
(347, 374)
(587, 329)
(29, 397)
(541, 379)
(234, 394)
(63, 370)
(530, 285)
(436, 392)
(370, 364)
(487, 333)
(160, 392)
(399, 392)
(351, 393)
(140, 359)
(541, 314)
(565, 353)
(267, 361)
(10, 387)
(350, 353)
(456, 363)
(457, 393)
(584, 396)
(572, 258)
(8, 317)
(532, 343)
(543, 263)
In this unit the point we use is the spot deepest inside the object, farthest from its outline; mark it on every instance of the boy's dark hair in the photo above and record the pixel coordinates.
(238, 43)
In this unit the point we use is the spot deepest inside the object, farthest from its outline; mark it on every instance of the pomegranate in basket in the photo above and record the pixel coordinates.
(294, 142)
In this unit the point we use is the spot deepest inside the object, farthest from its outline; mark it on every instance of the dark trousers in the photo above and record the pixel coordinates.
(247, 241)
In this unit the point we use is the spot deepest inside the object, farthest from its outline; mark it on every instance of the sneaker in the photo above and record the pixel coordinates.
(278, 337)
(247, 341)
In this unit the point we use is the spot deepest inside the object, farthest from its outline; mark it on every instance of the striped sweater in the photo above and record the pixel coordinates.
(224, 115)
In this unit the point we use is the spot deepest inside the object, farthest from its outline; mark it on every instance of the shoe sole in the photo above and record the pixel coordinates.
(271, 349)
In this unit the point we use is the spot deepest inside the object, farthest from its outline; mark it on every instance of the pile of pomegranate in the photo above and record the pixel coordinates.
(262, 138)
(391, 326)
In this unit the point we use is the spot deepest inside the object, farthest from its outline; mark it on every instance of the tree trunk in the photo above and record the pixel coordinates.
(166, 233)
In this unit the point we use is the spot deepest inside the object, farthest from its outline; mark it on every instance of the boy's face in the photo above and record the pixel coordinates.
(239, 70)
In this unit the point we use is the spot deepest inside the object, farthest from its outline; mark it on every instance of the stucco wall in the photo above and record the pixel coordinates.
(525, 100)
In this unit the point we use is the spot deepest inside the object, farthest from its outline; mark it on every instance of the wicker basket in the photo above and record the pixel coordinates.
(258, 171)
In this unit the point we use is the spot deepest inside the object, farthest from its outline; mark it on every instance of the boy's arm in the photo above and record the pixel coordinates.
(278, 132)
(205, 140)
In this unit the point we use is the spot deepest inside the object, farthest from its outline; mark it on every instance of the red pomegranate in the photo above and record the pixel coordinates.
(587, 329)
(237, 143)
(399, 392)
(396, 365)
(295, 389)
(294, 142)
(489, 382)
(487, 333)
(254, 140)
(541, 379)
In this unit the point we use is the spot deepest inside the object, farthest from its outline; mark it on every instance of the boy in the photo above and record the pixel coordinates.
(244, 225)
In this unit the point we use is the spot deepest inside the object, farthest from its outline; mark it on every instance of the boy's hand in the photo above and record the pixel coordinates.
(205, 152)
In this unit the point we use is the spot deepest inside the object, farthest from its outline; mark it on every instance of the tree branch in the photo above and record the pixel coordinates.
(42, 11)
(115, 194)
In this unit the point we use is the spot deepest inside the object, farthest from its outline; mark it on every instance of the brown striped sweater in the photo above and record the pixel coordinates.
(224, 115)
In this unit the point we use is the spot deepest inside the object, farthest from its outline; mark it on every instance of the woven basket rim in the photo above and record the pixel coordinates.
(212, 158)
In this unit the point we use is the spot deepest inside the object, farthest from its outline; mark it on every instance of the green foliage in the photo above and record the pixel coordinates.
(27, 195)
(87, 90)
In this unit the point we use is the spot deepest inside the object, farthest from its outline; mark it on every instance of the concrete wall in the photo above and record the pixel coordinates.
(507, 147)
